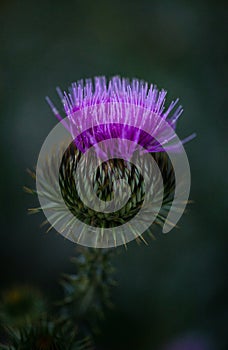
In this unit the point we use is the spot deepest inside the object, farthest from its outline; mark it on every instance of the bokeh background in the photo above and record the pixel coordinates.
(172, 294)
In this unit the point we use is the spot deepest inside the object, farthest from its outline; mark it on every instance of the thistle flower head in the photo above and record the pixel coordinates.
(20, 305)
(110, 178)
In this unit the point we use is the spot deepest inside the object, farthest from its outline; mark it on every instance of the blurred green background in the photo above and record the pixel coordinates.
(173, 291)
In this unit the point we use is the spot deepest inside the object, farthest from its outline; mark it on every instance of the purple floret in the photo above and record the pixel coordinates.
(87, 95)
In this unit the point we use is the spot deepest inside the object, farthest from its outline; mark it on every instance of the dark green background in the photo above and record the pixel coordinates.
(176, 287)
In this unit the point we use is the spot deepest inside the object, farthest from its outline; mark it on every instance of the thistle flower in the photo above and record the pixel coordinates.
(96, 114)
(189, 342)
(21, 305)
